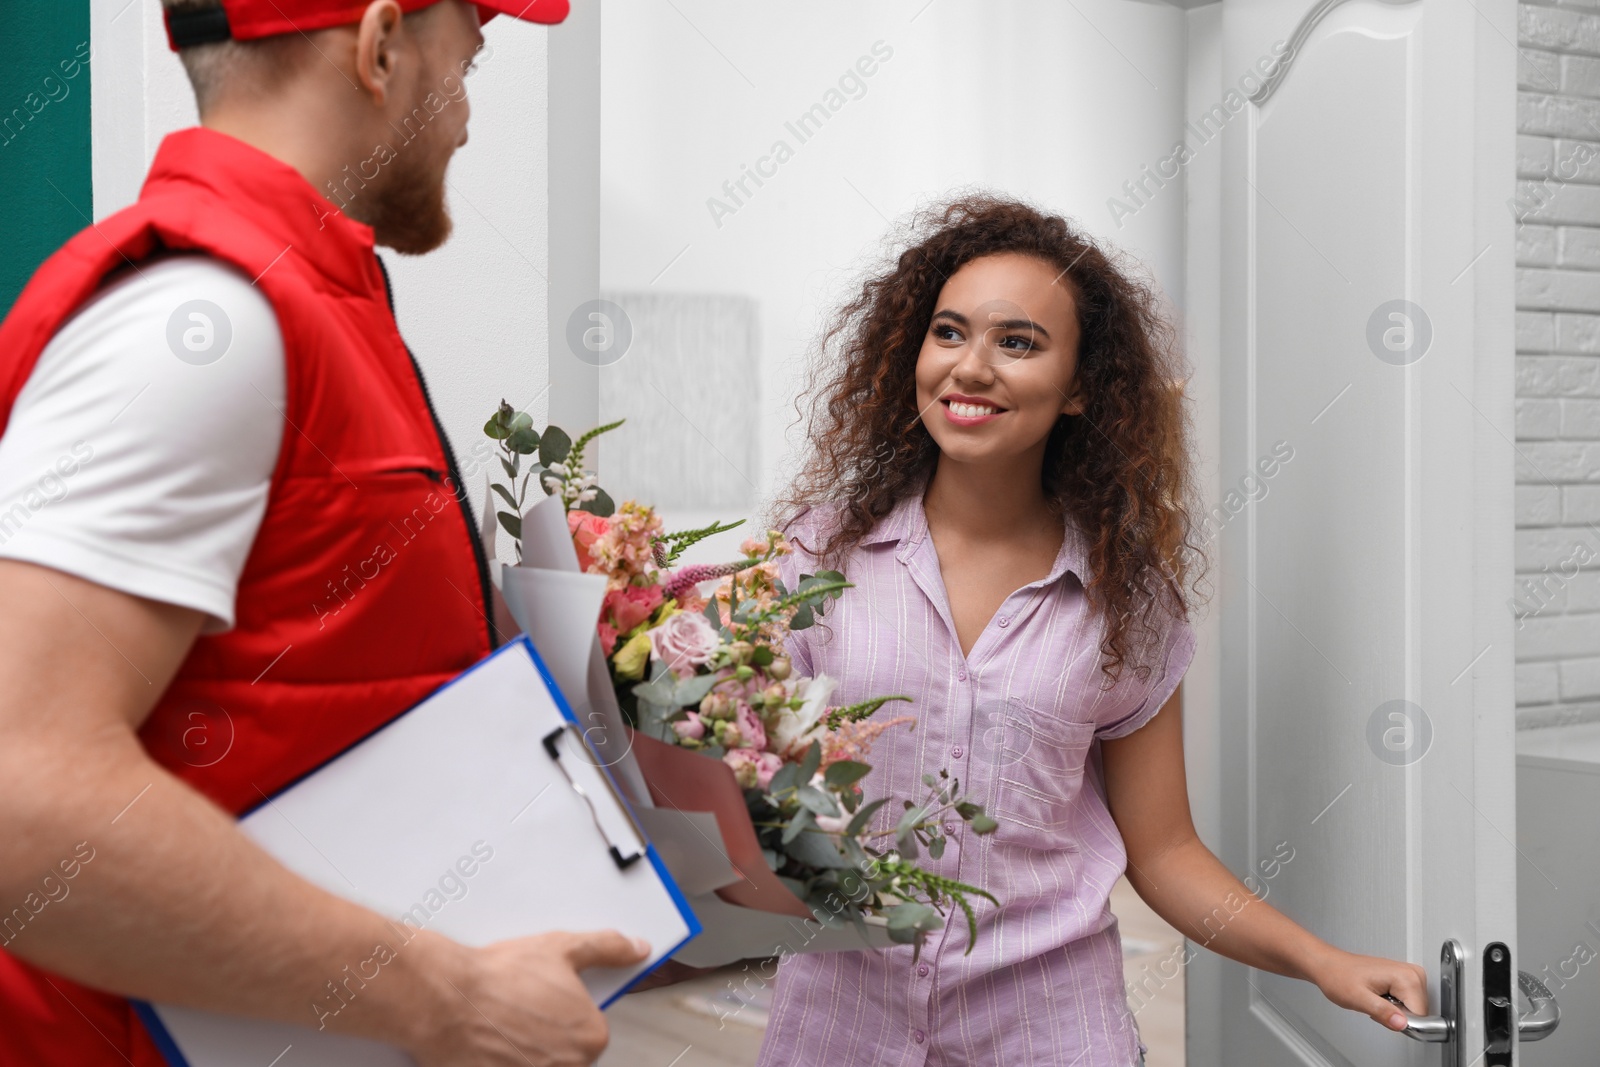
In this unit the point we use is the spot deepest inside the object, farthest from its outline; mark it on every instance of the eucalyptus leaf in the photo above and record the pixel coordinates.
(658, 690)
(846, 772)
(908, 822)
(712, 614)
(510, 469)
(786, 778)
(692, 690)
(524, 441)
(505, 494)
(798, 825)
(903, 935)
(555, 446)
(936, 846)
(816, 850)
(601, 505)
(512, 523)
(521, 421)
(817, 801)
(864, 816)
(813, 760)
(496, 428)
(918, 918)
(859, 860)
(803, 618)
(984, 824)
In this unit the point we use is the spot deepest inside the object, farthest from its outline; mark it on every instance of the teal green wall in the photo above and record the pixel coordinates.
(46, 186)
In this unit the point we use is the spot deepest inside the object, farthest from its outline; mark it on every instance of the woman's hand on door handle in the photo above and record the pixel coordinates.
(1361, 983)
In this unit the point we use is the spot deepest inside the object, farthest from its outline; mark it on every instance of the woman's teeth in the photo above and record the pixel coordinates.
(971, 411)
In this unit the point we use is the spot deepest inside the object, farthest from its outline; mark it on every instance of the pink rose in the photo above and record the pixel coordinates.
(752, 768)
(586, 528)
(684, 642)
(608, 638)
(690, 728)
(631, 605)
(750, 727)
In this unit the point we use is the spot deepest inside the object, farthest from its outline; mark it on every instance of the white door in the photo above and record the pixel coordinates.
(1366, 640)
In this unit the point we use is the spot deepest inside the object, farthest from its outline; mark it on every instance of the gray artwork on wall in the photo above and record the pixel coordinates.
(689, 385)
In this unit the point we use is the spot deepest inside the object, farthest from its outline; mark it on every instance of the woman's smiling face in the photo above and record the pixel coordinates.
(999, 362)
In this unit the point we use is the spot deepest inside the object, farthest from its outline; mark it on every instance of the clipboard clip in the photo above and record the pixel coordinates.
(634, 850)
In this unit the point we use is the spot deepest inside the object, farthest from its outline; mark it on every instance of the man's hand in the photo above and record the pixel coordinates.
(518, 1003)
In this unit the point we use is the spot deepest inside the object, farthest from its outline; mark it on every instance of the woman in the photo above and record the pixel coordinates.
(999, 465)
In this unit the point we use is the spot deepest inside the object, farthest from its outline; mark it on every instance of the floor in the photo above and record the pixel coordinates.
(705, 1023)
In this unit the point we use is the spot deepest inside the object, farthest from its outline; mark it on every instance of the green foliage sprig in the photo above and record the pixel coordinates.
(668, 547)
(557, 467)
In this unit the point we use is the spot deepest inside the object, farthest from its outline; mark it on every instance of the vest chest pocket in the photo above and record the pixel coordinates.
(1037, 771)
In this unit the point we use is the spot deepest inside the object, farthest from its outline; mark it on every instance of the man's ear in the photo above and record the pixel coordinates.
(377, 36)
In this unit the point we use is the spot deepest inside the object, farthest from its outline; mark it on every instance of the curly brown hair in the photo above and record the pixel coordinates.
(1120, 471)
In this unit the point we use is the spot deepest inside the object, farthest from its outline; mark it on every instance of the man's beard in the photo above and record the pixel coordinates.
(406, 208)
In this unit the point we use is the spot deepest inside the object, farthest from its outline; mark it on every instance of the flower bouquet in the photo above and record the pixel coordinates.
(716, 722)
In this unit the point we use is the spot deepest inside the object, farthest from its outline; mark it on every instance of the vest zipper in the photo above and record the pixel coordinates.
(485, 587)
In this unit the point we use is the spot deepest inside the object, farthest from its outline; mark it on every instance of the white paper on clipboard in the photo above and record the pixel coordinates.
(478, 814)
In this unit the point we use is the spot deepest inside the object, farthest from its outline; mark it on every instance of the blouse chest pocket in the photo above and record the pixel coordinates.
(1036, 760)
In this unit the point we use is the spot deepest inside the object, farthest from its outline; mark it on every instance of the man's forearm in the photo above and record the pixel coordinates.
(176, 905)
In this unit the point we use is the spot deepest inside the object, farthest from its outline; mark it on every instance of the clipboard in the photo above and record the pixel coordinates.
(481, 814)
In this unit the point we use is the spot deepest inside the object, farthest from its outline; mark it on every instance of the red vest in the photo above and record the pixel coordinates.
(365, 589)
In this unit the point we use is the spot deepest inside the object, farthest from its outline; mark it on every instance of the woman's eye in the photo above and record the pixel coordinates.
(1017, 342)
(945, 332)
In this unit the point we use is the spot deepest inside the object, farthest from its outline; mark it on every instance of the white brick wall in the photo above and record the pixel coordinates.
(1557, 585)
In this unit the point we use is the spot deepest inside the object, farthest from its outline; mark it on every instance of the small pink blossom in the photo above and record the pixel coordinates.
(690, 728)
(750, 727)
(631, 605)
(752, 768)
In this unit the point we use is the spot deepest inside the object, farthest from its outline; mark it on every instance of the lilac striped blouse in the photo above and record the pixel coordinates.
(1017, 721)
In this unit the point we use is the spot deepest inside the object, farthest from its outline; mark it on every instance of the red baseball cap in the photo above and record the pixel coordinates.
(246, 20)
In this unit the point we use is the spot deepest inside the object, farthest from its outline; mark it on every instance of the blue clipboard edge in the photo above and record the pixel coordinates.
(158, 1031)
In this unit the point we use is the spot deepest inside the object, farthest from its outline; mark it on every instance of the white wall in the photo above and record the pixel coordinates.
(1059, 103)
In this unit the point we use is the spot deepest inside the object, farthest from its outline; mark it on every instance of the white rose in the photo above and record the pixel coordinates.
(790, 726)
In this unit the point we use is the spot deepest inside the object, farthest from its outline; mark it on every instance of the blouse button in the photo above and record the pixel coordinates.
(922, 970)
(950, 828)
(919, 1037)
(957, 752)
(1004, 621)
(961, 675)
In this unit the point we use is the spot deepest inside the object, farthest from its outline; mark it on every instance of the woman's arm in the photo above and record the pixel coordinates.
(1190, 888)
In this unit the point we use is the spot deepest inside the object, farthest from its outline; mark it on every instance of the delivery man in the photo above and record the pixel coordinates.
(232, 542)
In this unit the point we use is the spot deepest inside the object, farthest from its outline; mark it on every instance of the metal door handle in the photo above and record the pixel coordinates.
(1544, 1015)
(1535, 1024)
(1434, 1029)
